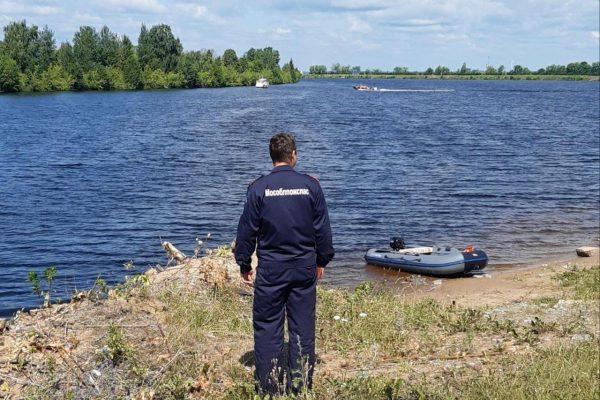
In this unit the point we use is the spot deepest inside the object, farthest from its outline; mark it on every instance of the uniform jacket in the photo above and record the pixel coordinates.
(286, 216)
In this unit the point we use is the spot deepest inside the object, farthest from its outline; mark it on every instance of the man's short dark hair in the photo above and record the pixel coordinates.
(281, 147)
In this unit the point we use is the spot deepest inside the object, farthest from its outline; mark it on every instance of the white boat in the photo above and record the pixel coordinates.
(262, 83)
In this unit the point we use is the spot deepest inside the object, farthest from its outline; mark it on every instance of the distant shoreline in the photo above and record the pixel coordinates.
(457, 77)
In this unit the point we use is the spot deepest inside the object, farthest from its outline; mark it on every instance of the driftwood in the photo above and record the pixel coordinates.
(173, 253)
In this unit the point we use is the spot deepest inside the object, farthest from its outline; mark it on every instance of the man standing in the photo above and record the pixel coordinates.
(285, 219)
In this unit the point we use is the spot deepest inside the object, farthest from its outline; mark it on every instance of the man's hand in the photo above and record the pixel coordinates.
(247, 278)
(320, 272)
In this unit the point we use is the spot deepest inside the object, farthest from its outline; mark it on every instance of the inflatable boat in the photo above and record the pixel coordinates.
(435, 260)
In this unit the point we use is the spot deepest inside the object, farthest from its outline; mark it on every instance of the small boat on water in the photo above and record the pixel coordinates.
(364, 88)
(434, 260)
(262, 83)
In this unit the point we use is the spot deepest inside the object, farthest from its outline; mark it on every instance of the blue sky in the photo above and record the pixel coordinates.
(368, 33)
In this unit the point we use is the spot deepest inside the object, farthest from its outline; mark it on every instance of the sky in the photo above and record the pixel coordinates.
(368, 33)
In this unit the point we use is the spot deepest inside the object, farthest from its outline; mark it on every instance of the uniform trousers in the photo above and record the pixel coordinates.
(281, 292)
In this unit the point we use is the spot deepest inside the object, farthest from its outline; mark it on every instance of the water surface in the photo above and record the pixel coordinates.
(89, 181)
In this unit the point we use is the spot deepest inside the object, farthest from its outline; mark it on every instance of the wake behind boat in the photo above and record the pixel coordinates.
(436, 260)
(365, 88)
(415, 90)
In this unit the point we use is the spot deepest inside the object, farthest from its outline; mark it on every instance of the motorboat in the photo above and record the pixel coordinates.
(262, 83)
(364, 88)
(428, 260)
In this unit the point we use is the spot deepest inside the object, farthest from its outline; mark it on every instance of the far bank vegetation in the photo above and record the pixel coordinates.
(104, 60)
(572, 71)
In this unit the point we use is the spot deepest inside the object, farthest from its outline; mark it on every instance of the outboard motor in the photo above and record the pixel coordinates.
(397, 243)
(475, 260)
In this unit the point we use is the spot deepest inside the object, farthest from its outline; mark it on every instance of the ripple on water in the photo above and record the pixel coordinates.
(89, 181)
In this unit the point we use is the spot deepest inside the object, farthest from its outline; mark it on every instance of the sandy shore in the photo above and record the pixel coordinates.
(502, 285)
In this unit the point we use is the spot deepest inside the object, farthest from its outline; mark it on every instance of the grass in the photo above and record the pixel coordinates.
(565, 372)
(583, 284)
(371, 344)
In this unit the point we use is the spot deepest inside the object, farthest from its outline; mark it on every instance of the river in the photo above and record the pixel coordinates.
(90, 181)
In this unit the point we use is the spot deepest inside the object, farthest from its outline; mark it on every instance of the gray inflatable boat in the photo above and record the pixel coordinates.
(429, 260)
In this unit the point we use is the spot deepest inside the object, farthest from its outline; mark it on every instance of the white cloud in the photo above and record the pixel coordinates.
(362, 4)
(366, 45)
(358, 25)
(192, 9)
(282, 31)
(10, 7)
(415, 33)
(337, 36)
(87, 19)
(148, 6)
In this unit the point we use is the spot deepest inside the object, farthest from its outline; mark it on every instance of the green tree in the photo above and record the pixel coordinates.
(108, 48)
(174, 80)
(501, 70)
(143, 47)
(189, 66)
(520, 70)
(289, 73)
(441, 70)
(9, 74)
(45, 48)
(490, 70)
(59, 78)
(317, 69)
(129, 64)
(104, 61)
(161, 48)
(261, 59)
(400, 70)
(463, 70)
(21, 43)
(86, 48)
(95, 79)
(115, 79)
(294, 73)
(230, 59)
(269, 58)
(154, 79)
(595, 69)
(555, 69)
(231, 77)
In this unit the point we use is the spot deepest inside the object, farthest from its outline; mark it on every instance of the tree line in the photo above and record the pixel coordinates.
(575, 68)
(104, 60)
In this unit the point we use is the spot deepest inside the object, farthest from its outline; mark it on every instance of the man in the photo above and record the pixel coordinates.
(286, 214)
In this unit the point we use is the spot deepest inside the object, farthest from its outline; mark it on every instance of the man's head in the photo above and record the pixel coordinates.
(282, 149)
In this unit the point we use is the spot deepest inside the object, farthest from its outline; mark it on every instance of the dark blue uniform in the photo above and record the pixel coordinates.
(285, 218)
